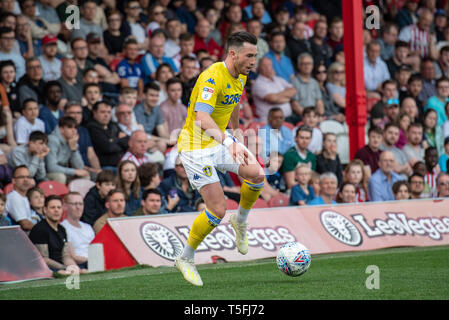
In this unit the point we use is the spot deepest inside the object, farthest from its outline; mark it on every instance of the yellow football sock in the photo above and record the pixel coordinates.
(249, 193)
(204, 223)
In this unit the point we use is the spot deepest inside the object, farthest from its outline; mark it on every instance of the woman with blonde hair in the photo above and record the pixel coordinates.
(336, 84)
(129, 183)
(355, 174)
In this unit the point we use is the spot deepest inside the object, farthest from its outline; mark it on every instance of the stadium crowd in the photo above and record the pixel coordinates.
(101, 101)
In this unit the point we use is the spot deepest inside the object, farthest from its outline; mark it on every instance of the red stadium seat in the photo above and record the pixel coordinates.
(81, 185)
(8, 188)
(255, 126)
(53, 188)
(281, 200)
(260, 203)
(370, 103)
(289, 125)
(231, 204)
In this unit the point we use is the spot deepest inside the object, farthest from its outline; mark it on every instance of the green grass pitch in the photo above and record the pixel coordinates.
(418, 273)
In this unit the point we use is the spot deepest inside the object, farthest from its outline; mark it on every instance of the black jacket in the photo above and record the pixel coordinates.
(94, 206)
(108, 146)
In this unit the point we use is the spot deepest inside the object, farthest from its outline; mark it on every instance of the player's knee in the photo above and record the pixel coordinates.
(218, 207)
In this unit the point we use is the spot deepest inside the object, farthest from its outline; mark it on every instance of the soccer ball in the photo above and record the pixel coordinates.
(293, 259)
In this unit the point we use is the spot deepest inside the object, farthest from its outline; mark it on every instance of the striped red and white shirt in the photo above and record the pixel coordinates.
(138, 161)
(418, 39)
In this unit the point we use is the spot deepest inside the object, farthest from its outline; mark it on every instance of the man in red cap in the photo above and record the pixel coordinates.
(51, 66)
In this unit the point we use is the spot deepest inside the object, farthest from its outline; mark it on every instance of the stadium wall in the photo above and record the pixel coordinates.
(157, 240)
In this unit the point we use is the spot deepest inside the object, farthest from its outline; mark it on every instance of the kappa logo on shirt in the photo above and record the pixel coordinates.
(211, 81)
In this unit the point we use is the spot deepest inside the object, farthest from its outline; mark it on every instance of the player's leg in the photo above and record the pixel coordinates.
(208, 219)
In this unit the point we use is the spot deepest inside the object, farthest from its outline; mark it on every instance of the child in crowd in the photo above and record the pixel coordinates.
(127, 96)
(4, 220)
(404, 121)
(315, 182)
(36, 197)
(355, 174)
(310, 119)
(302, 192)
(91, 94)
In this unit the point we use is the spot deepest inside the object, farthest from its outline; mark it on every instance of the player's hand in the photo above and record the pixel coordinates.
(239, 154)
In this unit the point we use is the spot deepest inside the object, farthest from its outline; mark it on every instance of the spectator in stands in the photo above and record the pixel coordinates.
(446, 123)
(376, 69)
(28, 122)
(173, 111)
(328, 189)
(154, 57)
(85, 147)
(163, 73)
(94, 201)
(388, 42)
(409, 106)
(354, 173)
(391, 112)
(282, 65)
(28, 47)
(129, 70)
(79, 234)
(171, 46)
(442, 160)
(31, 85)
(203, 40)
(297, 42)
(17, 204)
(443, 184)
(401, 190)
(298, 154)
(270, 90)
(8, 53)
(133, 26)
(438, 102)
(442, 64)
(113, 36)
(427, 71)
(71, 89)
(36, 198)
(413, 148)
(432, 169)
(407, 15)
(149, 114)
(124, 115)
(335, 84)
(52, 111)
(275, 135)
(390, 138)
(399, 58)
(4, 219)
(347, 193)
(381, 182)
(255, 28)
(418, 35)
(108, 141)
(64, 161)
(335, 37)
(302, 192)
(331, 111)
(128, 182)
(370, 153)
(389, 91)
(87, 22)
(8, 82)
(151, 203)
(128, 96)
(321, 51)
(310, 119)
(188, 77)
(115, 205)
(328, 160)
(51, 65)
(178, 185)
(433, 134)
(233, 15)
(137, 151)
(307, 88)
(91, 94)
(50, 239)
(32, 155)
(416, 184)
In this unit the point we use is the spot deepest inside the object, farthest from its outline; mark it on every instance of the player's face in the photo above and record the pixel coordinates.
(245, 58)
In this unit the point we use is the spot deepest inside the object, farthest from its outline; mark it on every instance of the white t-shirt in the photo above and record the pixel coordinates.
(19, 208)
(23, 128)
(79, 237)
(51, 69)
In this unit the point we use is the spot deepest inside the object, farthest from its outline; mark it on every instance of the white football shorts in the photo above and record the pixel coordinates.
(201, 165)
